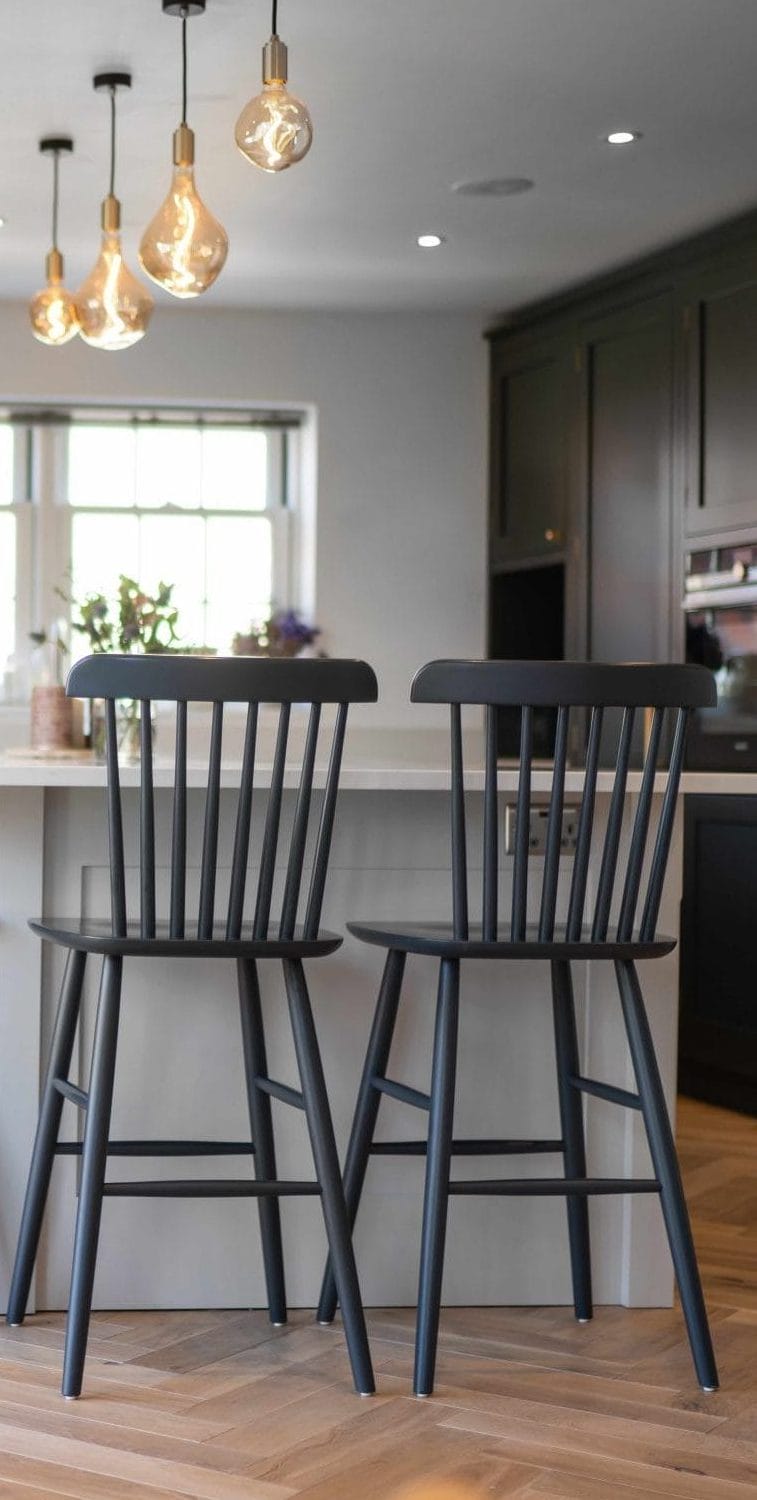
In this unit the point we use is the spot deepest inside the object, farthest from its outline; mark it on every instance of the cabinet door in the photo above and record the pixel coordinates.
(629, 432)
(721, 326)
(531, 391)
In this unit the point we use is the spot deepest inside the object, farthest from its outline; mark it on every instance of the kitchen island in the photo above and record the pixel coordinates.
(180, 1070)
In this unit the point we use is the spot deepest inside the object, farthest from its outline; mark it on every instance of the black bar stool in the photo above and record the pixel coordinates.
(530, 686)
(218, 681)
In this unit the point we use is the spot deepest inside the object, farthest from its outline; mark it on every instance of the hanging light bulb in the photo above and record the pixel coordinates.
(184, 247)
(53, 312)
(275, 129)
(114, 307)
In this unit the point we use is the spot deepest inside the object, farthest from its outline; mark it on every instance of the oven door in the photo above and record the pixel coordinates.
(721, 633)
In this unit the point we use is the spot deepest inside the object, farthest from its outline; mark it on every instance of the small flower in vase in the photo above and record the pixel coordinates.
(284, 633)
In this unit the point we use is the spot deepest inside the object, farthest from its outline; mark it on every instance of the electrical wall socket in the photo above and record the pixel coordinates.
(538, 818)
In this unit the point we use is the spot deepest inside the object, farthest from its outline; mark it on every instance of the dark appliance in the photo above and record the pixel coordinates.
(526, 615)
(720, 605)
(718, 1010)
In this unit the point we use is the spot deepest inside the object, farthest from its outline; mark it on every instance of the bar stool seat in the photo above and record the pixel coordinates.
(437, 940)
(95, 935)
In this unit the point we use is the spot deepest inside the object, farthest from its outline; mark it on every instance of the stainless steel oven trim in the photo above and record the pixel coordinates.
(721, 598)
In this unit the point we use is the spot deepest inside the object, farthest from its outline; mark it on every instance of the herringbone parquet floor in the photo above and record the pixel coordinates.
(219, 1406)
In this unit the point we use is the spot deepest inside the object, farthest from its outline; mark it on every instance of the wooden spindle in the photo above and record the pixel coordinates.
(522, 811)
(146, 824)
(242, 828)
(210, 831)
(271, 831)
(300, 828)
(612, 833)
(640, 828)
(664, 830)
(115, 825)
(554, 830)
(489, 905)
(179, 828)
(325, 829)
(459, 855)
(577, 897)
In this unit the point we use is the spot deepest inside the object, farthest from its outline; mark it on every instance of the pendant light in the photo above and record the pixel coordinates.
(184, 247)
(53, 312)
(114, 307)
(274, 130)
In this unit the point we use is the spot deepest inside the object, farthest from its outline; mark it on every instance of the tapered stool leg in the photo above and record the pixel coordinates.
(366, 1109)
(665, 1161)
(323, 1144)
(572, 1128)
(46, 1138)
(261, 1123)
(94, 1160)
(438, 1160)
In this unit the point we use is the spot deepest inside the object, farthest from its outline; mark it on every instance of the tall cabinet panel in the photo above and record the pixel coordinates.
(629, 407)
(529, 442)
(721, 325)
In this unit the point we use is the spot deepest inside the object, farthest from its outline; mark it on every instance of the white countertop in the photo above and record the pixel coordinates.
(382, 760)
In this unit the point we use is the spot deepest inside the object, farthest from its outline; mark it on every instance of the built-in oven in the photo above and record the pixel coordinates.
(720, 607)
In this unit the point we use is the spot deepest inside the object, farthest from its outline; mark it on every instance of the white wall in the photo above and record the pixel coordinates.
(401, 423)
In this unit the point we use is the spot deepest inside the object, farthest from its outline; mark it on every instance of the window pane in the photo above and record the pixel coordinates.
(7, 588)
(238, 576)
(6, 463)
(172, 550)
(101, 466)
(234, 469)
(102, 547)
(168, 467)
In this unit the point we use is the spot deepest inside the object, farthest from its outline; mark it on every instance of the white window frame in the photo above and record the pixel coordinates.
(44, 517)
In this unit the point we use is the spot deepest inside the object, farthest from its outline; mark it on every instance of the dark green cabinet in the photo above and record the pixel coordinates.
(720, 320)
(529, 440)
(628, 416)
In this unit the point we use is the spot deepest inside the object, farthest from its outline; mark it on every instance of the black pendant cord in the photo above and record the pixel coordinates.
(274, 17)
(184, 69)
(56, 161)
(112, 188)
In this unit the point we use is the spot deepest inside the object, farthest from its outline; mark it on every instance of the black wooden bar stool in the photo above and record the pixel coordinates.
(609, 933)
(183, 680)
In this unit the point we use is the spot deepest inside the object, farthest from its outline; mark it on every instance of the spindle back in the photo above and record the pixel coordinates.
(220, 680)
(566, 686)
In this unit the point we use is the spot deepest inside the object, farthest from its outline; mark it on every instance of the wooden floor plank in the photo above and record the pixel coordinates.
(218, 1405)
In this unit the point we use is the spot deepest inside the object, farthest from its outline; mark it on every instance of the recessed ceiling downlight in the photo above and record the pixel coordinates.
(430, 241)
(623, 137)
(492, 187)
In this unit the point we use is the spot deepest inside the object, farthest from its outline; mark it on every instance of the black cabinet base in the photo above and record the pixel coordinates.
(715, 1087)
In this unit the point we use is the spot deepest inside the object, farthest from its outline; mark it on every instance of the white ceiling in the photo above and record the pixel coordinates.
(407, 97)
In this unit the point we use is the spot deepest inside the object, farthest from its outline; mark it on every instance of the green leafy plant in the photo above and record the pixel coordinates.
(141, 622)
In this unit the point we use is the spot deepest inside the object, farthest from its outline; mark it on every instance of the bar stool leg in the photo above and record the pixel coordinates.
(437, 1176)
(46, 1139)
(665, 1161)
(366, 1109)
(329, 1177)
(94, 1160)
(261, 1124)
(572, 1125)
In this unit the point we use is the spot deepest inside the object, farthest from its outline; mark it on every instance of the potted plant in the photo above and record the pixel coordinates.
(284, 633)
(141, 622)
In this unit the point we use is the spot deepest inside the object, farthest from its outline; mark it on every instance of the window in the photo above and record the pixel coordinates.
(203, 503)
(7, 548)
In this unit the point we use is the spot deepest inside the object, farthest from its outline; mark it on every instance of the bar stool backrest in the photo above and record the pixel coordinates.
(564, 686)
(219, 680)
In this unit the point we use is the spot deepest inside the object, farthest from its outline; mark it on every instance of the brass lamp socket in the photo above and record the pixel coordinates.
(183, 147)
(275, 60)
(54, 265)
(111, 214)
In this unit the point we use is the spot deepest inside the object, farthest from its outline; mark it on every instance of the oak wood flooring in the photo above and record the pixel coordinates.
(220, 1406)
